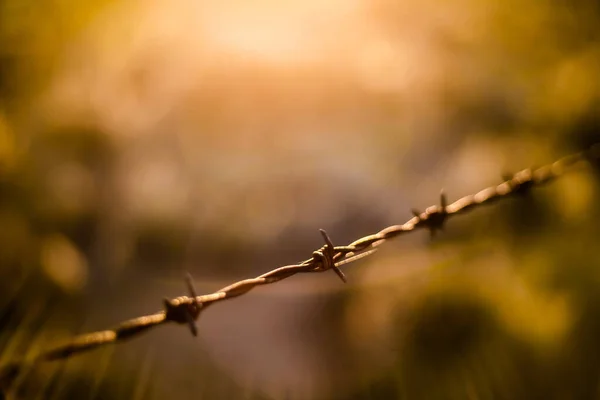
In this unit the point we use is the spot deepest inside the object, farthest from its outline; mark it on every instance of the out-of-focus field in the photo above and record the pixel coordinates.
(142, 139)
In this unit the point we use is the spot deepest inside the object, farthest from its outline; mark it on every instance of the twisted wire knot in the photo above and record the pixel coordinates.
(183, 309)
(434, 217)
(324, 257)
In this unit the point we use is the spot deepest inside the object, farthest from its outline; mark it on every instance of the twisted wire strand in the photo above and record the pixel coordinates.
(186, 309)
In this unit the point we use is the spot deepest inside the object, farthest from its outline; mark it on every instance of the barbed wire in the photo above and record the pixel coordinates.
(187, 309)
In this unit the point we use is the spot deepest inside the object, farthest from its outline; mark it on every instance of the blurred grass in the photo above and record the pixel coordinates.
(139, 139)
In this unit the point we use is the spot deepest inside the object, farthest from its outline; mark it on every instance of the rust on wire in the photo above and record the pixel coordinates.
(186, 309)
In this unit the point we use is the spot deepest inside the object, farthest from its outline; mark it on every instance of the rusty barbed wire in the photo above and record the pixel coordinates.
(187, 309)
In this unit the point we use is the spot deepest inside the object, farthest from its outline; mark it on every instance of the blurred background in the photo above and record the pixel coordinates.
(143, 139)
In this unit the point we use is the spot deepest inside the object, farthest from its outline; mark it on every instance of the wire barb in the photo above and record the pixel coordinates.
(324, 258)
(434, 217)
(184, 310)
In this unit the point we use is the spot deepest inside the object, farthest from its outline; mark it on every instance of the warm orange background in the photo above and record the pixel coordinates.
(142, 139)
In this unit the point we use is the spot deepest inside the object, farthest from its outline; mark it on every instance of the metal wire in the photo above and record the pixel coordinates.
(186, 309)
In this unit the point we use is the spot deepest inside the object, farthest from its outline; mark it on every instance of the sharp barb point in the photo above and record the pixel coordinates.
(340, 274)
(326, 238)
(166, 303)
(190, 285)
(192, 325)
